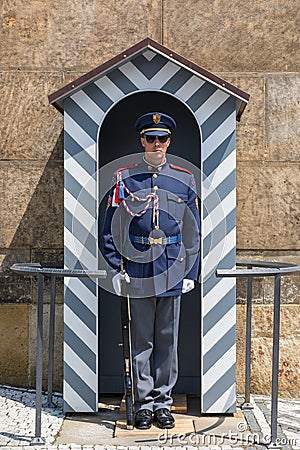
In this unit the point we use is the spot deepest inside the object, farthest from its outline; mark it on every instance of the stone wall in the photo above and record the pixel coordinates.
(254, 45)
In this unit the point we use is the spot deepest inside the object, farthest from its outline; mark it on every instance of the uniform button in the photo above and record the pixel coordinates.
(156, 227)
(155, 175)
(179, 200)
(149, 167)
(155, 188)
(181, 259)
(132, 199)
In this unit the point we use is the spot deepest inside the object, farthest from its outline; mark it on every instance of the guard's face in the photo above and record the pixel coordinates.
(155, 152)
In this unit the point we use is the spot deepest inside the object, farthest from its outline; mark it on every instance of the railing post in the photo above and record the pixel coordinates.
(275, 363)
(38, 440)
(33, 269)
(247, 404)
(275, 270)
(50, 403)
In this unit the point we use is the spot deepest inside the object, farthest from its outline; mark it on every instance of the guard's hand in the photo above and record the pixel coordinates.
(116, 281)
(187, 285)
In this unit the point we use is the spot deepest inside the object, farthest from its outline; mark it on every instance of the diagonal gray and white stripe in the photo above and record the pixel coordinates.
(215, 112)
(80, 309)
(219, 242)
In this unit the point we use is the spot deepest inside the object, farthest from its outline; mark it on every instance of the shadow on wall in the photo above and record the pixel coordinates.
(38, 235)
(33, 233)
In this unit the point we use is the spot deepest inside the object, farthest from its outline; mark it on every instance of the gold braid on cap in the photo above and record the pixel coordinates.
(155, 129)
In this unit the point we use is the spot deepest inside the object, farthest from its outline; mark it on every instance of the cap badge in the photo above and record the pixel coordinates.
(156, 118)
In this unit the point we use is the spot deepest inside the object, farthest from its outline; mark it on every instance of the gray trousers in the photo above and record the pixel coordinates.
(154, 339)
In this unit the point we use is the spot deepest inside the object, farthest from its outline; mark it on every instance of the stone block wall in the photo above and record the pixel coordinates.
(254, 45)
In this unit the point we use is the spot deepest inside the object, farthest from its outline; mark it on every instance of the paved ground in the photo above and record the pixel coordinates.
(249, 430)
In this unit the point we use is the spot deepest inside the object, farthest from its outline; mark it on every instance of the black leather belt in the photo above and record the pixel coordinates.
(155, 241)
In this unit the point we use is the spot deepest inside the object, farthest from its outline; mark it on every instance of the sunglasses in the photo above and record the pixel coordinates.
(161, 139)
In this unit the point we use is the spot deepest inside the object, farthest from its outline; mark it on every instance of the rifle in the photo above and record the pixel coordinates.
(126, 337)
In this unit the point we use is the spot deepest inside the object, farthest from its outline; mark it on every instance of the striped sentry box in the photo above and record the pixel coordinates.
(215, 106)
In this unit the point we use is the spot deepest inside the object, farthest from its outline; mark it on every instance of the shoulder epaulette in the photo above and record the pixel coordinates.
(129, 166)
(180, 168)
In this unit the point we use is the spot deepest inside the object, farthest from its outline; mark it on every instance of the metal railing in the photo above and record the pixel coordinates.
(52, 272)
(262, 269)
(253, 269)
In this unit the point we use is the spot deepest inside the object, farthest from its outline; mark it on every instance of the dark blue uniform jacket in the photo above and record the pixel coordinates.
(157, 269)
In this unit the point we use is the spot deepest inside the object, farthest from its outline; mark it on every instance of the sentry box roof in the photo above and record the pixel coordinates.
(156, 54)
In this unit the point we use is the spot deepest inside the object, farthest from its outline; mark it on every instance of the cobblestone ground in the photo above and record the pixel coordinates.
(17, 417)
(288, 420)
(17, 424)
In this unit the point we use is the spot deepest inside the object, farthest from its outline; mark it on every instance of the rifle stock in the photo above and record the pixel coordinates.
(126, 337)
(127, 354)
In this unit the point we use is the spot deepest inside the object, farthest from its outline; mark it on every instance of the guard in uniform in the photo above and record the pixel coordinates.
(152, 223)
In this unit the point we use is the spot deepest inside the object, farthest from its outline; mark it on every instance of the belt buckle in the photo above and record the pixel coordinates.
(155, 241)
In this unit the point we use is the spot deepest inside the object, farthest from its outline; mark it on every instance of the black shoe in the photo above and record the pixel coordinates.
(163, 418)
(143, 419)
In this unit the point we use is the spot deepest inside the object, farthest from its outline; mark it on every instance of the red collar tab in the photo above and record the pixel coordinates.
(129, 166)
(180, 168)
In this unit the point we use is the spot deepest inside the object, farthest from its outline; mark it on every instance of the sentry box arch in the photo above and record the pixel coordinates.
(99, 111)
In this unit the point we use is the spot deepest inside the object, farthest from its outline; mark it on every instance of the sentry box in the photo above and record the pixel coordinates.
(100, 109)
